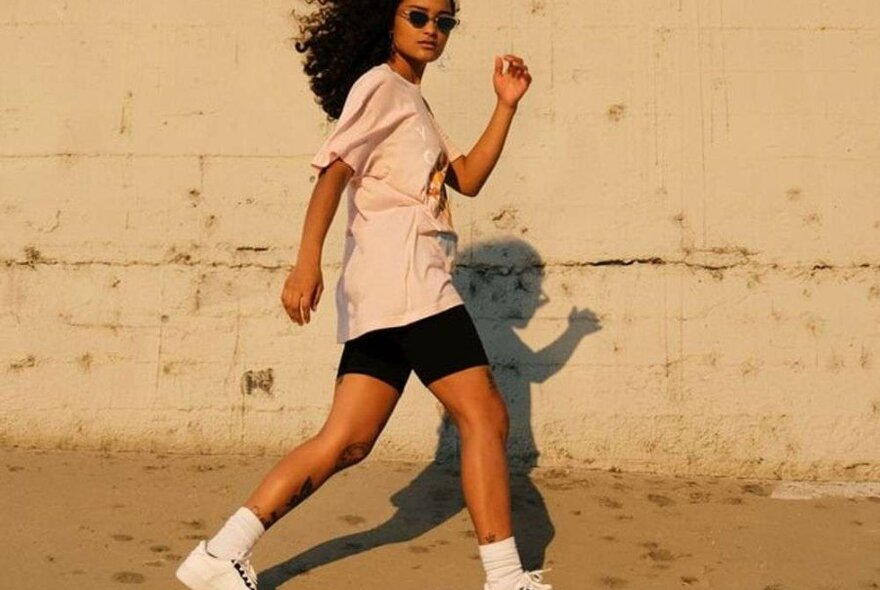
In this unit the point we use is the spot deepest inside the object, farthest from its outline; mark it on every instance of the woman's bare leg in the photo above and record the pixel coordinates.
(361, 407)
(472, 399)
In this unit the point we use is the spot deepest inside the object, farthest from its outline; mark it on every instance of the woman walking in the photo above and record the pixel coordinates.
(398, 310)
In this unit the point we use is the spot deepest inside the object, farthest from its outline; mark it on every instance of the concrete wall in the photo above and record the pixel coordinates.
(674, 266)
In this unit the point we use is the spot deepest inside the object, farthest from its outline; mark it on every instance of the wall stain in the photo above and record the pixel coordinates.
(813, 219)
(794, 194)
(125, 122)
(616, 112)
(26, 363)
(32, 256)
(85, 362)
(506, 218)
(538, 7)
(258, 381)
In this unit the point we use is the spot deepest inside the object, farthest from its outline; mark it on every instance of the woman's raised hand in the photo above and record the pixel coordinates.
(302, 291)
(512, 84)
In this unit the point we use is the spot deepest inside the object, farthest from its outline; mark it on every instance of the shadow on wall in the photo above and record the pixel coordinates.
(501, 283)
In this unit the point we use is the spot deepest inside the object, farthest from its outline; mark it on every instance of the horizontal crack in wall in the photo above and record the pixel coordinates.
(656, 261)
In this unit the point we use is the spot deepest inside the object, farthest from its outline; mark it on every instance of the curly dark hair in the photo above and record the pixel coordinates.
(342, 40)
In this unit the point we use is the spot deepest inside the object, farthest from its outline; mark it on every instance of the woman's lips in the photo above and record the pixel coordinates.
(427, 44)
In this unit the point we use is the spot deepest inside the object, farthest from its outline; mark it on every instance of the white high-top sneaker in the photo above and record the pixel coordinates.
(202, 571)
(528, 581)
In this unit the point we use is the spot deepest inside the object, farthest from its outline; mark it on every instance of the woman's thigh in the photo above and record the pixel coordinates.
(443, 344)
(447, 354)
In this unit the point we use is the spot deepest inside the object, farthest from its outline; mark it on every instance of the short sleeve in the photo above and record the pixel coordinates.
(452, 152)
(372, 110)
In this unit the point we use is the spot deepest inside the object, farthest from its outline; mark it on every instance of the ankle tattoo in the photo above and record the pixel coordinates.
(266, 519)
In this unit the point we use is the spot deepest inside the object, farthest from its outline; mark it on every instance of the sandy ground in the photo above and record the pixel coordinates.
(92, 520)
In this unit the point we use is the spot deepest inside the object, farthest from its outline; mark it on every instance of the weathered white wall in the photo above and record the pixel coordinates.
(701, 177)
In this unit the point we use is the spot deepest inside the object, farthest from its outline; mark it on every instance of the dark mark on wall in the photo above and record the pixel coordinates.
(32, 255)
(29, 361)
(257, 381)
(616, 112)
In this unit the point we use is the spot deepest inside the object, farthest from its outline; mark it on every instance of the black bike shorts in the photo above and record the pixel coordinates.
(433, 347)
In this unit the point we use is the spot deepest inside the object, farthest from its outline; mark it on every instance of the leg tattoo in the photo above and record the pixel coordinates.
(490, 538)
(274, 515)
(267, 520)
(304, 492)
(353, 453)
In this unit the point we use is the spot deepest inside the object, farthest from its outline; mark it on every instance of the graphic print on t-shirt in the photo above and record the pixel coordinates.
(436, 189)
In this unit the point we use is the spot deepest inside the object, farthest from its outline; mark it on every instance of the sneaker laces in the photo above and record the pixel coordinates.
(246, 570)
(533, 580)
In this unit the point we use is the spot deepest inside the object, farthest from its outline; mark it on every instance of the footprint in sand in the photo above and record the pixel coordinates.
(160, 548)
(122, 537)
(689, 580)
(418, 549)
(660, 555)
(353, 519)
(609, 502)
(613, 582)
(197, 524)
(129, 578)
(660, 500)
(656, 552)
(154, 563)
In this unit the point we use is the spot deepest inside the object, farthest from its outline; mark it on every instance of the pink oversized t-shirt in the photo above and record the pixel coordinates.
(400, 244)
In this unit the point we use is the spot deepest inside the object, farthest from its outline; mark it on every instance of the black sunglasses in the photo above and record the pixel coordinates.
(419, 19)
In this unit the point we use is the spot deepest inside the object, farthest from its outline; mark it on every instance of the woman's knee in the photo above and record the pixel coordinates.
(344, 452)
(486, 417)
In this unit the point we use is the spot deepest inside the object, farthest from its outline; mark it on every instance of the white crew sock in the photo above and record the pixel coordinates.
(501, 562)
(238, 535)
